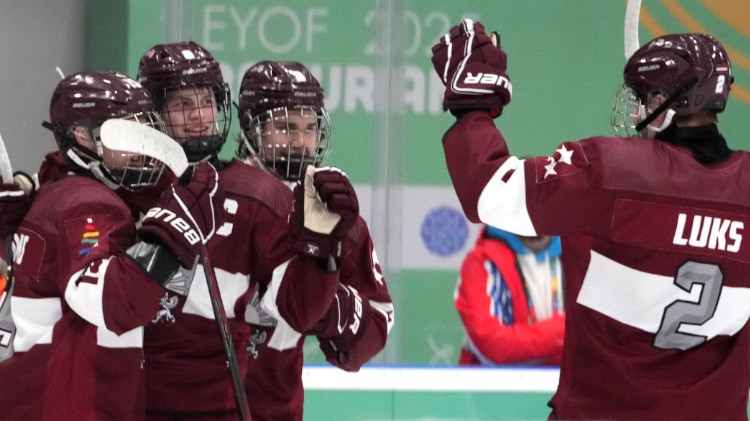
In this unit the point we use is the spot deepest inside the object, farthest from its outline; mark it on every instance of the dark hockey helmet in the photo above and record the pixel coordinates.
(275, 91)
(90, 98)
(188, 67)
(670, 62)
(691, 70)
(87, 100)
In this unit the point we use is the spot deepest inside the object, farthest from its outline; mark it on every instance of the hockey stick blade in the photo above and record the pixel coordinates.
(130, 136)
(243, 408)
(632, 16)
(495, 39)
(6, 171)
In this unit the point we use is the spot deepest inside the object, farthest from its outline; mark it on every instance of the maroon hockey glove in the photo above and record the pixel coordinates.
(15, 199)
(472, 69)
(325, 209)
(187, 214)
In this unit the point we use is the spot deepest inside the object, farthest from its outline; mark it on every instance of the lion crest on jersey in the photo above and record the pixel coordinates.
(258, 338)
(167, 304)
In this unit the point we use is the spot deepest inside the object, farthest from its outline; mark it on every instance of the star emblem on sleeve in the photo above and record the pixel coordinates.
(564, 158)
(565, 155)
(550, 168)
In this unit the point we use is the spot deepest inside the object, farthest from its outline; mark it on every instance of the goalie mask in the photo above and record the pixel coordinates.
(691, 71)
(284, 124)
(80, 104)
(190, 94)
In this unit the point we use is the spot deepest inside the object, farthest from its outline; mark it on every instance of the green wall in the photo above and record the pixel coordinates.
(373, 59)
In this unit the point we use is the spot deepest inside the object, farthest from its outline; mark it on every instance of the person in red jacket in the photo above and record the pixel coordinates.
(267, 241)
(286, 132)
(655, 252)
(510, 299)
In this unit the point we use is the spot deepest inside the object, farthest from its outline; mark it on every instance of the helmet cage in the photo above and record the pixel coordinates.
(625, 112)
(122, 169)
(279, 145)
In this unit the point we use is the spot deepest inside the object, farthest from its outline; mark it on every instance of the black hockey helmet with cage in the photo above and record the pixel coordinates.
(692, 67)
(187, 64)
(274, 84)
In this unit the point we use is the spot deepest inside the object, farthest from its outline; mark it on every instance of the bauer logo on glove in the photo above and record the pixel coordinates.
(472, 67)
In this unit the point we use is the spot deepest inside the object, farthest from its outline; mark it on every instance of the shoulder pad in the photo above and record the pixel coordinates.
(253, 183)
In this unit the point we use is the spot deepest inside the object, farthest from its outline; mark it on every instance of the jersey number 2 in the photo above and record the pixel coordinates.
(705, 275)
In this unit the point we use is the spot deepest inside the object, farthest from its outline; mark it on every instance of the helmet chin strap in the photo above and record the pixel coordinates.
(651, 130)
(94, 167)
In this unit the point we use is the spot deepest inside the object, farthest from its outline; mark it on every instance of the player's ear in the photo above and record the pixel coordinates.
(83, 138)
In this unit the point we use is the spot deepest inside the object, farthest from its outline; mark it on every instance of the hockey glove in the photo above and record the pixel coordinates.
(472, 69)
(187, 214)
(15, 200)
(325, 209)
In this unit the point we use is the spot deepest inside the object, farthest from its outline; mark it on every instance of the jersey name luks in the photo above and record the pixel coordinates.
(709, 232)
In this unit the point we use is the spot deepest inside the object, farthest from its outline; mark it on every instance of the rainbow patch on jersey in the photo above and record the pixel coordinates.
(90, 237)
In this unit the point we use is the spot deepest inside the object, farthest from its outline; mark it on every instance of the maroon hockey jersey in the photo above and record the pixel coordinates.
(185, 364)
(354, 329)
(78, 305)
(655, 266)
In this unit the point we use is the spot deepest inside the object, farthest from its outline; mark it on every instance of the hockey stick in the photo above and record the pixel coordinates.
(134, 137)
(632, 14)
(7, 327)
(226, 339)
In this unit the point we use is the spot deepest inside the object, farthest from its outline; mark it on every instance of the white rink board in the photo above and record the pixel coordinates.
(469, 379)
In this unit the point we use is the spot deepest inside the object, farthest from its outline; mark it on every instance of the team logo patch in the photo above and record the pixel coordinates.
(89, 238)
(84, 235)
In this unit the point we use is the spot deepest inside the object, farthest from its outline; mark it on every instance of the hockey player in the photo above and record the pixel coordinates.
(83, 286)
(652, 227)
(285, 128)
(255, 248)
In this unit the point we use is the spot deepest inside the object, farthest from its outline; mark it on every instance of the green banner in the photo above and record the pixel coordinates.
(565, 60)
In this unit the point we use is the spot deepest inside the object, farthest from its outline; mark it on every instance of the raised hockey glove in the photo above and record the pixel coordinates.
(187, 214)
(325, 209)
(15, 200)
(472, 68)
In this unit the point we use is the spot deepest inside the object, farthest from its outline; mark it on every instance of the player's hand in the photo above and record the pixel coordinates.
(187, 214)
(15, 200)
(472, 69)
(325, 209)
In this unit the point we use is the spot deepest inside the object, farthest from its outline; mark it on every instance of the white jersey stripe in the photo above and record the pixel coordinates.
(231, 287)
(35, 319)
(502, 204)
(85, 298)
(130, 339)
(638, 299)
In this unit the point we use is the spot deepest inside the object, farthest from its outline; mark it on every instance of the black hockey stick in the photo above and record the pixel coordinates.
(226, 339)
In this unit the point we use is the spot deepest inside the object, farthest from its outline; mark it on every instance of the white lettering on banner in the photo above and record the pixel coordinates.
(351, 88)
(350, 84)
(708, 232)
(228, 22)
(420, 33)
